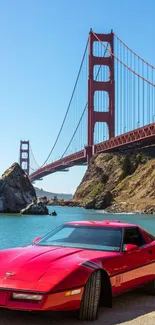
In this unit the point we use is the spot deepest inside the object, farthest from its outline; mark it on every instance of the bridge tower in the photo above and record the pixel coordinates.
(107, 86)
(24, 156)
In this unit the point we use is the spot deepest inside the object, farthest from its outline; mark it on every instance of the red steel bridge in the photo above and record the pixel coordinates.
(112, 108)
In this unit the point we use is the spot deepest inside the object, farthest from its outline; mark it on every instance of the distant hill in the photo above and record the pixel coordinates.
(41, 192)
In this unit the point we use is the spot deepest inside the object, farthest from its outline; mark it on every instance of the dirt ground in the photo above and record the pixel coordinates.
(129, 309)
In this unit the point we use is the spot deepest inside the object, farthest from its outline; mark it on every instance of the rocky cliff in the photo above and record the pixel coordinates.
(16, 191)
(119, 183)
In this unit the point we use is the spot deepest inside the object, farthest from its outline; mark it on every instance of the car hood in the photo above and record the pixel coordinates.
(44, 264)
(32, 262)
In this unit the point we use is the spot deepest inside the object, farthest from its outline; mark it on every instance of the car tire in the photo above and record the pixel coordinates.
(91, 297)
(149, 288)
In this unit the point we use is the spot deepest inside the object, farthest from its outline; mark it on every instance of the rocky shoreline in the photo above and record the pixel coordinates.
(113, 183)
(114, 208)
(117, 183)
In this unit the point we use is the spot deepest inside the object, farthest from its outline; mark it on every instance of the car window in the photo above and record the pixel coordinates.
(64, 233)
(98, 238)
(150, 236)
(133, 236)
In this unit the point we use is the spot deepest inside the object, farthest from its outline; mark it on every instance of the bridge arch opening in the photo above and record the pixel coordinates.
(101, 132)
(101, 101)
(101, 73)
(101, 49)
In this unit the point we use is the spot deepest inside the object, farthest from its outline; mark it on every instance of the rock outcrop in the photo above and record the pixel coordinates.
(119, 183)
(64, 203)
(36, 209)
(103, 174)
(42, 199)
(16, 191)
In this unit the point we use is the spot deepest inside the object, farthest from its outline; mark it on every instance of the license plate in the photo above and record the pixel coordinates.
(3, 297)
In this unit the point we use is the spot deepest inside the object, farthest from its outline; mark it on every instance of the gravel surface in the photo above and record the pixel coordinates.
(130, 309)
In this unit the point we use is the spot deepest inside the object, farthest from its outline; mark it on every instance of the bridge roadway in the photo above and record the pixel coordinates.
(137, 138)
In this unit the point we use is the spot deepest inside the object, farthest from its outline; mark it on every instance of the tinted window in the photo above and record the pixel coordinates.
(150, 236)
(133, 236)
(100, 238)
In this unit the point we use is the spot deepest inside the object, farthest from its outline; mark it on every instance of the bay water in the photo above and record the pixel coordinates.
(20, 230)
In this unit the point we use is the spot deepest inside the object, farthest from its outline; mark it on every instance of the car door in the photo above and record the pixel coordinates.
(138, 262)
(131, 268)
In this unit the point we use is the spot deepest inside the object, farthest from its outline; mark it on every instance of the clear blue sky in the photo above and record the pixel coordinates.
(41, 44)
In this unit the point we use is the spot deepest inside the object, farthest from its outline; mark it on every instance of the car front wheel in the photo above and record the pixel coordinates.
(91, 296)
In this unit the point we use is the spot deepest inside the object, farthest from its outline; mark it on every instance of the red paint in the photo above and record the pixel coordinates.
(130, 247)
(141, 137)
(51, 271)
(78, 158)
(125, 65)
(108, 86)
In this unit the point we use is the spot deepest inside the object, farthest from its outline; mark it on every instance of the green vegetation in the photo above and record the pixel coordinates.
(96, 190)
(131, 162)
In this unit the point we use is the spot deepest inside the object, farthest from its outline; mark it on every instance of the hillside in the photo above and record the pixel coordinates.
(50, 195)
(119, 183)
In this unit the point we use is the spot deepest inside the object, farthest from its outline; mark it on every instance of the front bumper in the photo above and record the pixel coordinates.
(53, 301)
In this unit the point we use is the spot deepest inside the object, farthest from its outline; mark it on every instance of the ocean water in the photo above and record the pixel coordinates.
(20, 230)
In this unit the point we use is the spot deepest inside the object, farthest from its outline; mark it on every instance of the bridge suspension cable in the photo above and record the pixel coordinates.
(134, 104)
(134, 88)
(32, 155)
(75, 130)
(105, 51)
(138, 75)
(150, 65)
(72, 95)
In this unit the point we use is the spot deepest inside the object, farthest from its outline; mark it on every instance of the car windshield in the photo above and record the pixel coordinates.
(87, 237)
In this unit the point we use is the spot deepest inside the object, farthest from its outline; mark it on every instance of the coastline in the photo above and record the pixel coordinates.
(114, 208)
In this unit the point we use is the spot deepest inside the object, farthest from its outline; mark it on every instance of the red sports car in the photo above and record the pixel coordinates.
(78, 266)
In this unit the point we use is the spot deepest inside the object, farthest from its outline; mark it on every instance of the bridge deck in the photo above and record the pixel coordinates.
(137, 138)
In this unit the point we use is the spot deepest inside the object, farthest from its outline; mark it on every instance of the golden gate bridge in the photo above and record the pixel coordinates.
(111, 108)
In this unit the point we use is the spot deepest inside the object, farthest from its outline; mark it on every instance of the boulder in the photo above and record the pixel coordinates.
(90, 205)
(16, 190)
(100, 202)
(35, 208)
(53, 213)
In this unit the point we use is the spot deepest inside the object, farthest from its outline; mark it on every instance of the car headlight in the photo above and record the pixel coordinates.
(25, 296)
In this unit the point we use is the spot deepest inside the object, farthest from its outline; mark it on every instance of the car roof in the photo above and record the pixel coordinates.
(105, 223)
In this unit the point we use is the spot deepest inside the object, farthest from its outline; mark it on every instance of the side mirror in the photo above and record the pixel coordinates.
(129, 247)
(36, 240)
